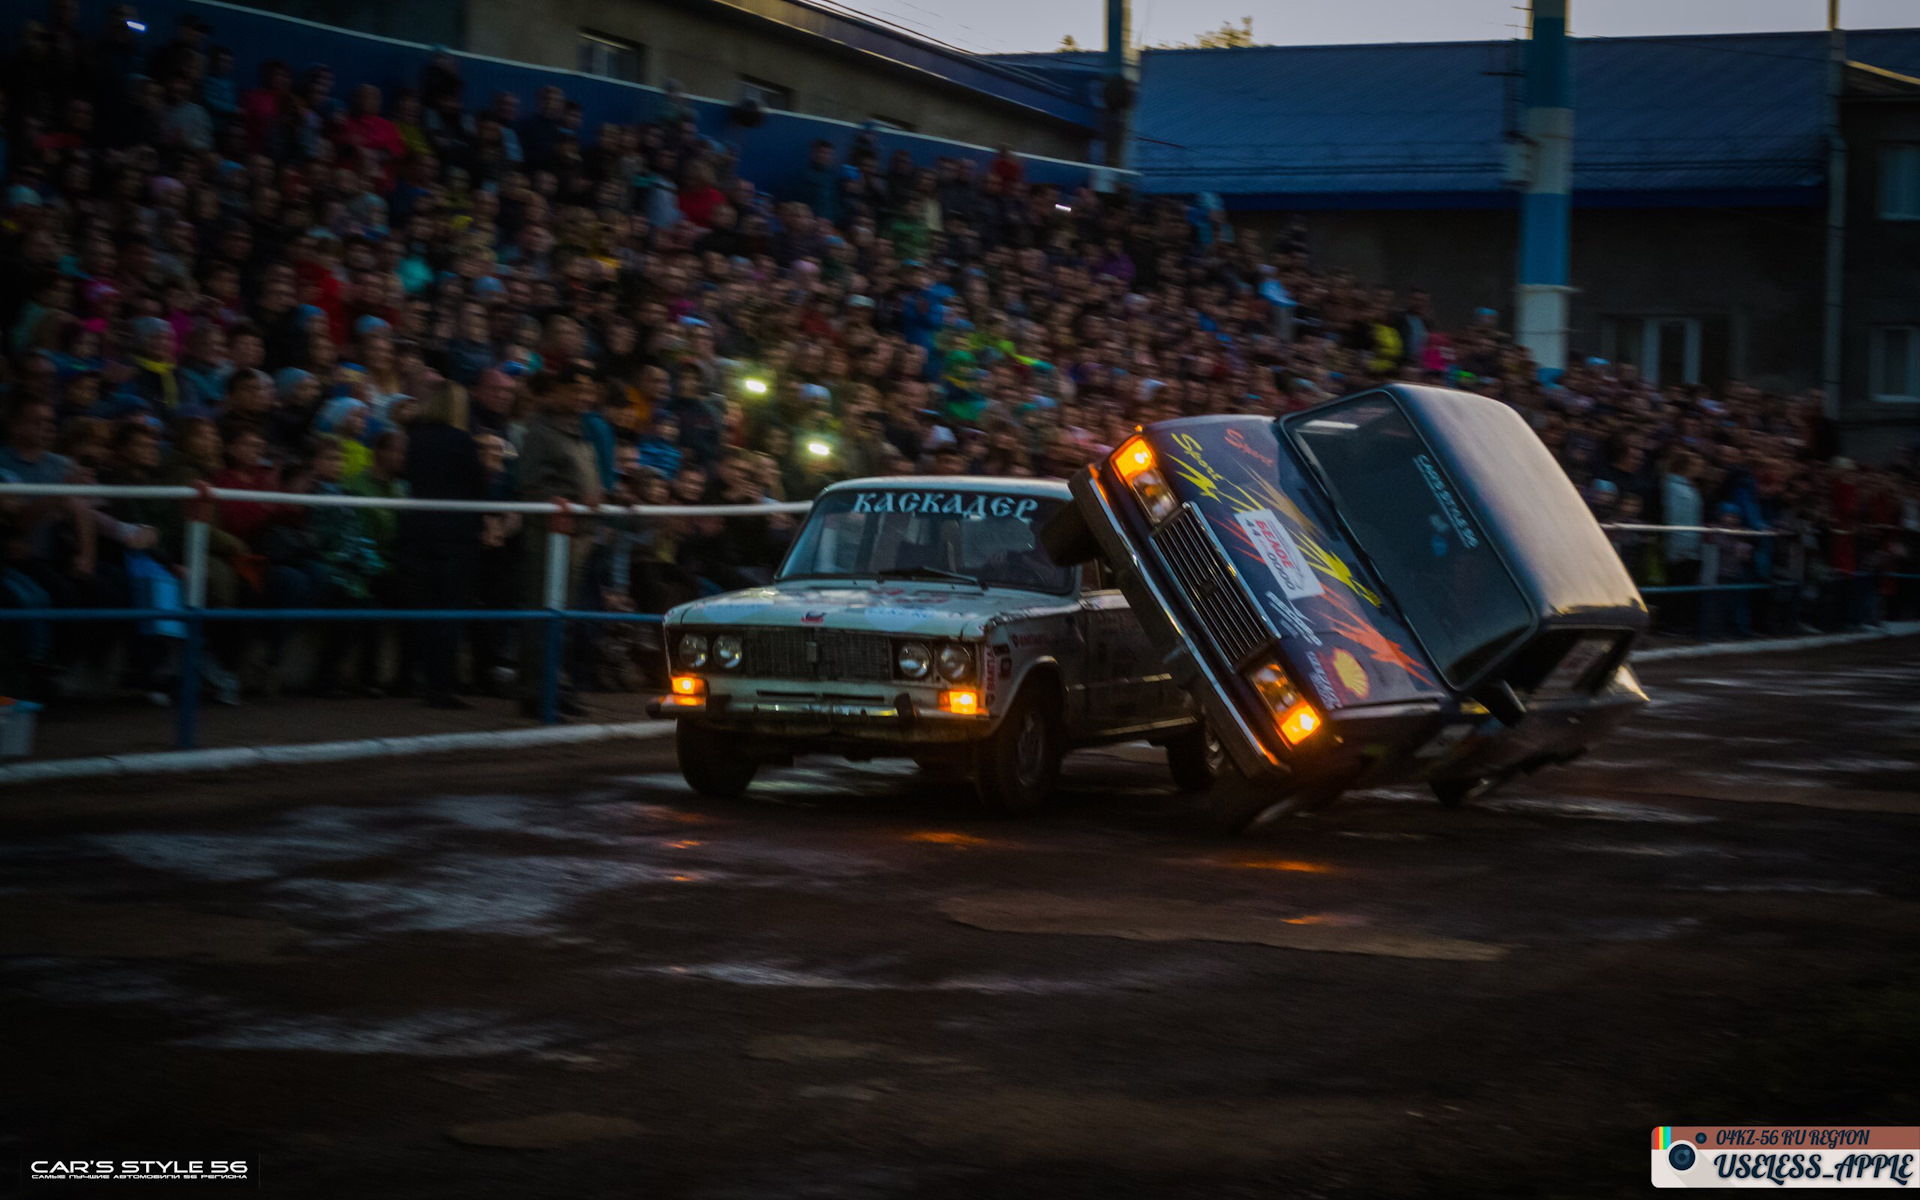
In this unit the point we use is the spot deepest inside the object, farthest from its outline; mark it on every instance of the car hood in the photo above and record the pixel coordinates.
(1338, 630)
(934, 610)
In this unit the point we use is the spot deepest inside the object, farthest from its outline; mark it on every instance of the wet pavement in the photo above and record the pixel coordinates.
(560, 973)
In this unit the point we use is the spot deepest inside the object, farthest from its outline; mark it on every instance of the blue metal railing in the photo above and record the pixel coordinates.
(194, 614)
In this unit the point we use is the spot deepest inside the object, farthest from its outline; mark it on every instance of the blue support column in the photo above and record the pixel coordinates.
(1120, 66)
(1546, 210)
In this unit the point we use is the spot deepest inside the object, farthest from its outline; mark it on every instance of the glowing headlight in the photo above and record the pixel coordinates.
(726, 651)
(1298, 721)
(693, 650)
(1274, 687)
(1135, 462)
(954, 662)
(913, 660)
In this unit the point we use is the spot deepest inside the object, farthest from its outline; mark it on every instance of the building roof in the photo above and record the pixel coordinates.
(873, 37)
(1419, 124)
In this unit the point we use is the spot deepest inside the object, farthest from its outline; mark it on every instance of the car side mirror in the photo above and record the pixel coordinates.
(1502, 701)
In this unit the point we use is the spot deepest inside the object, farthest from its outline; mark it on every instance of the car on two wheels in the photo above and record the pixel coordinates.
(1401, 585)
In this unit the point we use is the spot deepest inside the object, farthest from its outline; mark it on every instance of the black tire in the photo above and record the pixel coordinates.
(1015, 768)
(1196, 759)
(1457, 793)
(1236, 804)
(712, 764)
(1068, 539)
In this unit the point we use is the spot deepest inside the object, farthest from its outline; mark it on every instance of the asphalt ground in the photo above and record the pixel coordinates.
(559, 973)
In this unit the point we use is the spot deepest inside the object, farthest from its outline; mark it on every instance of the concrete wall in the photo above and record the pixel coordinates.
(1882, 283)
(1752, 276)
(708, 49)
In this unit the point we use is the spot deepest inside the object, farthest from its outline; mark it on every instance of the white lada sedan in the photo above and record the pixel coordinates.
(918, 617)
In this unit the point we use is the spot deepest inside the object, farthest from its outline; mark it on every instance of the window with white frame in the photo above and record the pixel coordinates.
(1893, 365)
(1900, 181)
(770, 96)
(612, 57)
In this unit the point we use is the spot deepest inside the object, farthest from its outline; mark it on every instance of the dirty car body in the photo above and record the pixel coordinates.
(1398, 585)
(911, 617)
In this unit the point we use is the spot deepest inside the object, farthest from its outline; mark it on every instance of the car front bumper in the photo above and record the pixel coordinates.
(794, 711)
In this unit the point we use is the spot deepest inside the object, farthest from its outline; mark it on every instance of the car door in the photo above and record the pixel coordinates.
(1126, 685)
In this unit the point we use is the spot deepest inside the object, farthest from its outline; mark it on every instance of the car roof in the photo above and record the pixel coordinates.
(1008, 484)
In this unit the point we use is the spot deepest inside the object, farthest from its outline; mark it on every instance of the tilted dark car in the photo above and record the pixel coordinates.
(1397, 585)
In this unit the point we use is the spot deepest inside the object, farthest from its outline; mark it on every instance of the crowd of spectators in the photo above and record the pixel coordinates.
(433, 293)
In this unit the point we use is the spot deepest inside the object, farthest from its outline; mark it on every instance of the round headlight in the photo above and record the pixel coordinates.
(955, 663)
(914, 659)
(693, 650)
(726, 650)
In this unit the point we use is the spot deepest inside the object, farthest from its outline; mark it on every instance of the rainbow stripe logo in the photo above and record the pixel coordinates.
(1666, 1136)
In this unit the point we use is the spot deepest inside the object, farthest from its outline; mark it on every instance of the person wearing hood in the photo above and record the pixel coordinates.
(295, 409)
(203, 370)
(345, 417)
(157, 381)
(659, 446)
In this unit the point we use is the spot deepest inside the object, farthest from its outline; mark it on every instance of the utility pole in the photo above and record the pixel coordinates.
(1836, 212)
(1546, 210)
(1120, 87)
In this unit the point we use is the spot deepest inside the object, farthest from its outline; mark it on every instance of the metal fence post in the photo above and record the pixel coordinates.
(559, 537)
(186, 708)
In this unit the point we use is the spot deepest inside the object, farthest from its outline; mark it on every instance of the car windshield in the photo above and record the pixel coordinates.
(938, 534)
(1429, 550)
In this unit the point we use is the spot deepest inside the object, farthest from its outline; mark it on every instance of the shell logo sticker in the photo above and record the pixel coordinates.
(1351, 674)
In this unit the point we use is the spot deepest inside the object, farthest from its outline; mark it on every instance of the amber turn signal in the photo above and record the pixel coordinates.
(960, 702)
(1299, 723)
(689, 685)
(1133, 457)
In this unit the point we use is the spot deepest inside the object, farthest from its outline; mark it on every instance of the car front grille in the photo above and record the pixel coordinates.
(817, 654)
(1222, 605)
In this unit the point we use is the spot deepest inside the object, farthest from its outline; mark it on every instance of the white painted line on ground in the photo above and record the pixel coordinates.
(1892, 629)
(236, 757)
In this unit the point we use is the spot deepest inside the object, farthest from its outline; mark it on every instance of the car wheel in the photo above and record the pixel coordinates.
(711, 763)
(1068, 539)
(1453, 793)
(1237, 804)
(1196, 759)
(1016, 766)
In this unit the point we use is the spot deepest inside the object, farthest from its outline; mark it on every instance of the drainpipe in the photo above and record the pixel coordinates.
(1836, 211)
(1546, 209)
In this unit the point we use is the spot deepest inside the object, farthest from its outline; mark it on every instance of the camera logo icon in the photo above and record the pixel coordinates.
(1681, 1156)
